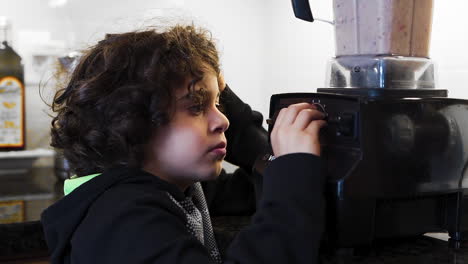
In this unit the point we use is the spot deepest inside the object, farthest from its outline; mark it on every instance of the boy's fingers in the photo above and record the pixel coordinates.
(315, 126)
(305, 116)
(292, 111)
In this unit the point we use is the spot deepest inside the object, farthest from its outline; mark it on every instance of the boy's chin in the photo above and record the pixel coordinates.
(209, 173)
(213, 175)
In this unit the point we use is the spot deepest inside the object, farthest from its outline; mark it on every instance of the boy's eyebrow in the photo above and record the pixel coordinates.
(190, 91)
(188, 96)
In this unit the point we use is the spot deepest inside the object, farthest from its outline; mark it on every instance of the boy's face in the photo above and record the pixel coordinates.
(192, 146)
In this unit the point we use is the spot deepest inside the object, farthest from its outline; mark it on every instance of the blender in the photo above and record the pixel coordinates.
(396, 147)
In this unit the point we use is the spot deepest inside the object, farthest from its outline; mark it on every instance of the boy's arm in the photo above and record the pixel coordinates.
(289, 221)
(231, 194)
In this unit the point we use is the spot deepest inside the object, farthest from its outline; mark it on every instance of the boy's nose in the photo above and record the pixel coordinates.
(220, 123)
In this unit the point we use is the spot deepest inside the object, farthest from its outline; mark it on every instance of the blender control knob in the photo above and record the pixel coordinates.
(321, 107)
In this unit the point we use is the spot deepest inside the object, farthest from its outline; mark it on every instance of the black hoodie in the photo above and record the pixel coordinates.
(126, 216)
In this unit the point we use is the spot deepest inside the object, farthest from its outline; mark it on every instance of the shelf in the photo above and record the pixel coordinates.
(20, 162)
(33, 153)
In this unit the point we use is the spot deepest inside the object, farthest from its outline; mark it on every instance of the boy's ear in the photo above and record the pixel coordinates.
(221, 82)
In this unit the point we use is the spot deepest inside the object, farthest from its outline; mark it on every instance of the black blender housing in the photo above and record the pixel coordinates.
(396, 166)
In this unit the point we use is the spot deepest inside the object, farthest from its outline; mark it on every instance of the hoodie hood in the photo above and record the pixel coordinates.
(61, 219)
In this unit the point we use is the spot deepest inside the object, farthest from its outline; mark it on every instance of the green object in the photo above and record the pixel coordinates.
(71, 184)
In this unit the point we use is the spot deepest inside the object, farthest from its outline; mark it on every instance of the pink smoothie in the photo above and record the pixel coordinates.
(383, 27)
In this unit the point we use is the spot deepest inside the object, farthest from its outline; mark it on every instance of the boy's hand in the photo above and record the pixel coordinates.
(297, 129)
(221, 82)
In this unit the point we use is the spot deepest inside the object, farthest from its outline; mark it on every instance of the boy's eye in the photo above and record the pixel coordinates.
(220, 107)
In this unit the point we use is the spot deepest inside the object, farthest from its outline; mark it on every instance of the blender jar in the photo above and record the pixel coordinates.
(383, 27)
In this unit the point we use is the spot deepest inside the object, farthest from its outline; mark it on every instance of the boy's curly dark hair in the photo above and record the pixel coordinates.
(122, 90)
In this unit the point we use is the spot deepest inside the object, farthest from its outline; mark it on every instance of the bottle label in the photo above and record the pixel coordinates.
(11, 212)
(11, 112)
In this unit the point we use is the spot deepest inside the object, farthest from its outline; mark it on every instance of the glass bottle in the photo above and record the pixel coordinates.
(12, 97)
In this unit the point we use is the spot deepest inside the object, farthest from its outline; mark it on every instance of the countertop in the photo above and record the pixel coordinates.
(422, 249)
(26, 239)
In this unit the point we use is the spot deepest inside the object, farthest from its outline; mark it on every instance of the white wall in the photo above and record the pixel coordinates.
(298, 51)
(449, 46)
(240, 28)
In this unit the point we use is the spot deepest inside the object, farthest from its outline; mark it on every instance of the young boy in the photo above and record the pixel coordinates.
(140, 122)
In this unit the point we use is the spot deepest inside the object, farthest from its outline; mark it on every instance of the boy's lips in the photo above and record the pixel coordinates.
(219, 149)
